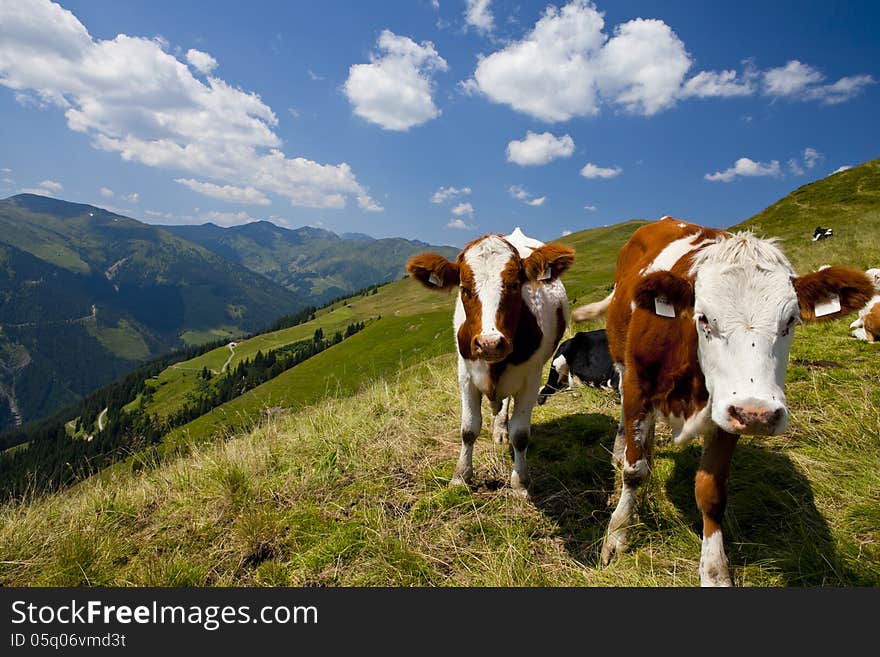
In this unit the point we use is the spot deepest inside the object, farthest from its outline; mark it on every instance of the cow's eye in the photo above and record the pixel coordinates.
(789, 325)
(705, 326)
(466, 292)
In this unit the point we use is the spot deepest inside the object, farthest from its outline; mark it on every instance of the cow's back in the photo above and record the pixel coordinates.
(666, 244)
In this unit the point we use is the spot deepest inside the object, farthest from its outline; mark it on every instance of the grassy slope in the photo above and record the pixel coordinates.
(353, 490)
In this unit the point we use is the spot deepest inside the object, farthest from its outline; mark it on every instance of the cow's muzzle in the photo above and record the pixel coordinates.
(492, 348)
(756, 419)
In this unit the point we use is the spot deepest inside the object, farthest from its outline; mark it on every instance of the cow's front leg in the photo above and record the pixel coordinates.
(620, 437)
(710, 488)
(471, 421)
(520, 430)
(638, 423)
(500, 432)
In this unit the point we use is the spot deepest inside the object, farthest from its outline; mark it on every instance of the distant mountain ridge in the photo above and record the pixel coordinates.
(311, 262)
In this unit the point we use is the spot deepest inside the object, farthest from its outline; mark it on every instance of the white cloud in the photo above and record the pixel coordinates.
(314, 76)
(812, 157)
(445, 193)
(134, 197)
(134, 98)
(800, 81)
(395, 89)
(435, 4)
(795, 167)
(590, 208)
(845, 167)
(463, 209)
(51, 185)
(566, 232)
(478, 14)
(566, 66)
(458, 223)
(5, 170)
(520, 194)
(201, 61)
(744, 167)
(231, 193)
(538, 149)
(591, 170)
(724, 84)
(106, 192)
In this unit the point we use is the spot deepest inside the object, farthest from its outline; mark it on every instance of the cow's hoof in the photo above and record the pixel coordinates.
(615, 543)
(519, 485)
(462, 478)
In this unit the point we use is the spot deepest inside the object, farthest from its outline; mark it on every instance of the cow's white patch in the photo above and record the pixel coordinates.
(829, 307)
(524, 244)
(685, 429)
(663, 308)
(560, 365)
(713, 562)
(487, 260)
(675, 251)
(682, 225)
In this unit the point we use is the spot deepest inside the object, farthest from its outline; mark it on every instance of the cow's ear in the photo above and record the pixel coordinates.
(832, 292)
(433, 271)
(662, 292)
(548, 262)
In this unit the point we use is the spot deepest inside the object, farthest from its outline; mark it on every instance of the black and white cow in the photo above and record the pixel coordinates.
(822, 233)
(584, 357)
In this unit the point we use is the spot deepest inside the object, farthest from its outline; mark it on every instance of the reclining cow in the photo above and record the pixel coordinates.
(582, 358)
(867, 324)
(510, 314)
(700, 325)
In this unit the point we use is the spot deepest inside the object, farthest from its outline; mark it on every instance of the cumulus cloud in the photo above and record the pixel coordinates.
(713, 84)
(136, 99)
(458, 223)
(231, 193)
(226, 218)
(812, 157)
(51, 185)
(566, 232)
(478, 14)
(799, 81)
(566, 66)
(591, 170)
(520, 194)
(106, 192)
(395, 89)
(746, 168)
(445, 193)
(134, 197)
(536, 149)
(590, 208)
(463, 209)
(201, 61)
(795, 167)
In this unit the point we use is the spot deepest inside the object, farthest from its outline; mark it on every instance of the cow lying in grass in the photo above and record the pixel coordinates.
(867, 325)
(700, 324)
(582, 358)
(510, 314)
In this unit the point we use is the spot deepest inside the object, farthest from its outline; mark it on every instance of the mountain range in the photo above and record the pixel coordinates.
(87, 294)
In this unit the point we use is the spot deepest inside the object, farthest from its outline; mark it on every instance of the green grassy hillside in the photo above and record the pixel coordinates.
(347, 483)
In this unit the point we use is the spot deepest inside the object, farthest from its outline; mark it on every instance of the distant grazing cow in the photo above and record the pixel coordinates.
(867, 325)
(510, 314)
(585, 358)
(700, 324)
(822, 233)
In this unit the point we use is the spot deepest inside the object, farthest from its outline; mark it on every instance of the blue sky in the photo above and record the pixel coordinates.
(438, 121)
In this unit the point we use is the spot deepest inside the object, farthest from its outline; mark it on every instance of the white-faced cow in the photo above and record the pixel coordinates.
(510, 314)
(867, 324)
(700, 324)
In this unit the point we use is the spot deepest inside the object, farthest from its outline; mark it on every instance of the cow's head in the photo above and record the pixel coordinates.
(490, 274)
(744, 303)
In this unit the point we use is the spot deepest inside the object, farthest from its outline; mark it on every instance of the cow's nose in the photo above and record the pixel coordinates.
(754, 419)
(489, 345)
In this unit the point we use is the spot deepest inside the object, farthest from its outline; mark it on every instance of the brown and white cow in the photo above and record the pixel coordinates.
(867, 324)
(510, 314)
(700, 325)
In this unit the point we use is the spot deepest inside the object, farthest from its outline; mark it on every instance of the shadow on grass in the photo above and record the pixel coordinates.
(771, 522)
(771, 519)
(572, 478)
